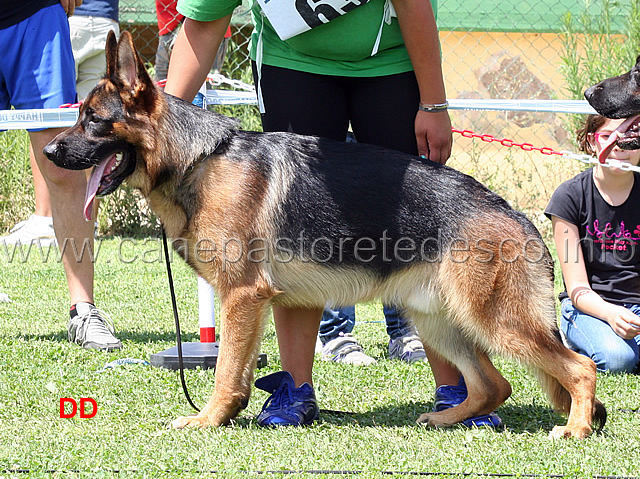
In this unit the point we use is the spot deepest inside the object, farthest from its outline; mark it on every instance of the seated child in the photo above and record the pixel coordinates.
(596, 229)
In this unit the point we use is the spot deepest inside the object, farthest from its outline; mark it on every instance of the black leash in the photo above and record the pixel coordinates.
(174, 304)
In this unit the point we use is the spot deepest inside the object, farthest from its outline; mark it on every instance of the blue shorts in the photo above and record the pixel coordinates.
(37, 68)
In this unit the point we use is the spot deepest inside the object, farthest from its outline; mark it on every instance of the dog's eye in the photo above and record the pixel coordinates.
(91, 116)
(94, 119)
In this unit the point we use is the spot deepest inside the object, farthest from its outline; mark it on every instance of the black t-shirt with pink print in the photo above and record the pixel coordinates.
(609, 236)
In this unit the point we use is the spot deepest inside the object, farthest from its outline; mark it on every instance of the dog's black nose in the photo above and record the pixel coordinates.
(591, 91)
(51, 151)
(588, 92)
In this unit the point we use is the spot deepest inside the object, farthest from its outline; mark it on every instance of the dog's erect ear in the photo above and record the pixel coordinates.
(111, 52)
(130, 69)
(131, 73)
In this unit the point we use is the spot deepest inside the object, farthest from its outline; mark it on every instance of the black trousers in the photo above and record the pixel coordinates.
(381, 110)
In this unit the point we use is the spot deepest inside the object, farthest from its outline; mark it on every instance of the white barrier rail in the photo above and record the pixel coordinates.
(45, 118)
(540, 106)
(66, 117)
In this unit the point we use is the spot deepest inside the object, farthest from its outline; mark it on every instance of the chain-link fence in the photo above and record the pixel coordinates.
(494, 49)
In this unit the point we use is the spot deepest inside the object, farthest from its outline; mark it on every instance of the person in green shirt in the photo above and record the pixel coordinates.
(377, 69)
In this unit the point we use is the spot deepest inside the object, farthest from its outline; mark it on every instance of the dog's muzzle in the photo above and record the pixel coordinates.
(65, 157)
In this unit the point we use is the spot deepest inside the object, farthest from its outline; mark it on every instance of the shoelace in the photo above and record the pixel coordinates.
(283, 396)
(448, 394)
(94, 314)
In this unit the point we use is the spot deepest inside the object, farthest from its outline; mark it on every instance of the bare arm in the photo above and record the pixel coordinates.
(420, 34)
(567, 240)
(193, 54)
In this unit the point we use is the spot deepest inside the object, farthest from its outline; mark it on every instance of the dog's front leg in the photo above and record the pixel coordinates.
(243, 312)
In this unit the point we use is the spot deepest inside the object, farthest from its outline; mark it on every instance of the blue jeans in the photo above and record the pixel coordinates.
(595, 339)
(342, 320)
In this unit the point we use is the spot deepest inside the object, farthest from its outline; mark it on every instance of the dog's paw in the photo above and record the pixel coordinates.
(561, 432)
(194, 421)
(433, 419)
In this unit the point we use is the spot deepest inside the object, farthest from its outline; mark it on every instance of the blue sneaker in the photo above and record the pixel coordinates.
(287, 405)
(449, 396)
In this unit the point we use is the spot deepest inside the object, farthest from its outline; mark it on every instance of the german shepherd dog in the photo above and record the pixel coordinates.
(619, 97)
(279, 218)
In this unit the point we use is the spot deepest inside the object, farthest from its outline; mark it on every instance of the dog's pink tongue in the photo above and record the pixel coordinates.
(92, 188)
(613, 138)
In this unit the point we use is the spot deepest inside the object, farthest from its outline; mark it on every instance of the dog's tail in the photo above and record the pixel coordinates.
(558, 395)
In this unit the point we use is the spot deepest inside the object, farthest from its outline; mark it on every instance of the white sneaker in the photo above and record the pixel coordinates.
(92, 328)
(407, 348)
(345, 349)
(36, 230)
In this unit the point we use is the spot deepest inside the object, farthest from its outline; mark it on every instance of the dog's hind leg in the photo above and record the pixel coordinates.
(567, 378)
(487, 388)
(243, 313)
(524, 313)
(507, 307)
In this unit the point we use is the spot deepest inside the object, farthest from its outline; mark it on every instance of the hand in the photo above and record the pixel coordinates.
(433, 135)
(70, 6)
(624, 323)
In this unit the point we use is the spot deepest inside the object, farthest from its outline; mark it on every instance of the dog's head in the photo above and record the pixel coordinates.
(619, 97)
(113, 123)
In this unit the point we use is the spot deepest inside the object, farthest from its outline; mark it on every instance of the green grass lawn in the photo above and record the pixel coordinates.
(129, 437)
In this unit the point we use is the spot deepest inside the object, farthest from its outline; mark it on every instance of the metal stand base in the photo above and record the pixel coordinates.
(203, 355)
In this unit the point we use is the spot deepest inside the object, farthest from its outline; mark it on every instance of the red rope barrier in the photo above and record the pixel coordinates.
(506, 142)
